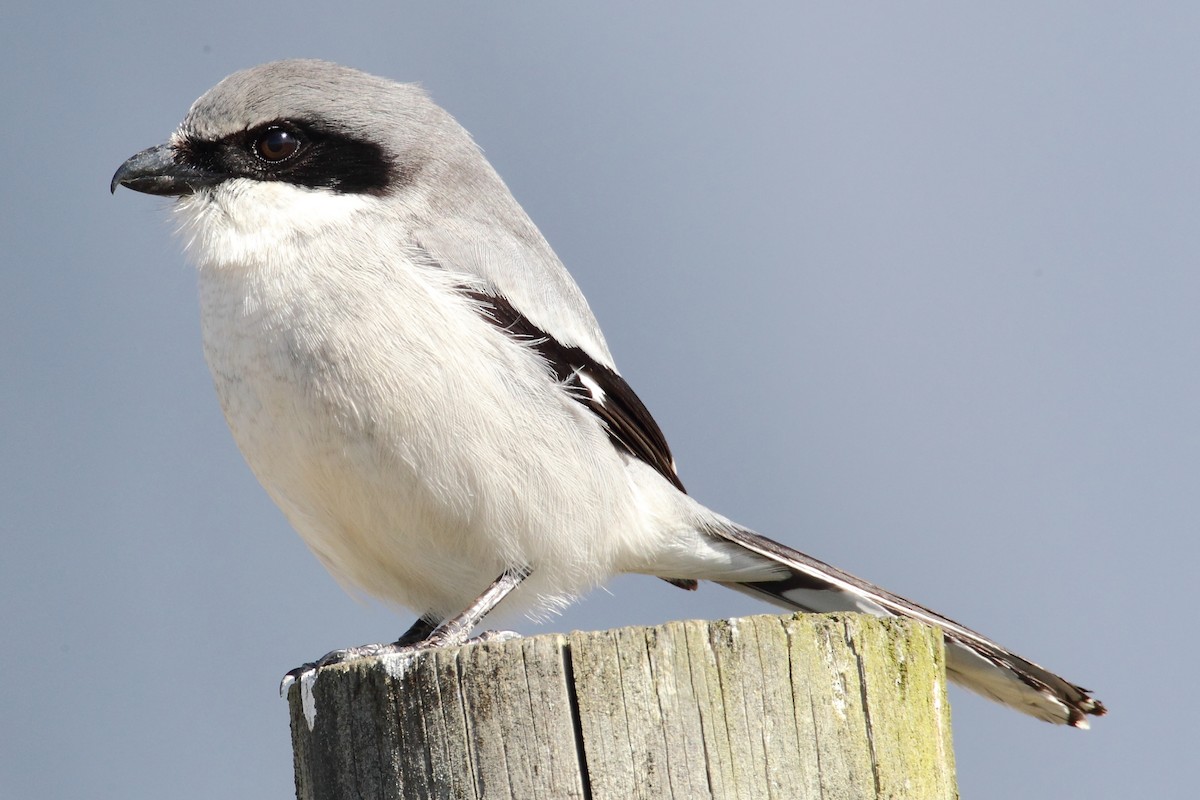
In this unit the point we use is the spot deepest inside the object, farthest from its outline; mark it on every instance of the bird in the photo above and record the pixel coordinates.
(421, 387)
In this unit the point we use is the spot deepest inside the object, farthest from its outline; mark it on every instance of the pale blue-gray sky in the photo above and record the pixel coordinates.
(912, 288)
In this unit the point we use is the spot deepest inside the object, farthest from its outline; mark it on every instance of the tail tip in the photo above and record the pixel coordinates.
(1079, 712)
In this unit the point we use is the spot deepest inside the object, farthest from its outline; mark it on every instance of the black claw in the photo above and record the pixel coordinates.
(294, 676)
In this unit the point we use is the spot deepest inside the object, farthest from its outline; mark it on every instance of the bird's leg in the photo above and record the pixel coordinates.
(455, 630)
(426, 633)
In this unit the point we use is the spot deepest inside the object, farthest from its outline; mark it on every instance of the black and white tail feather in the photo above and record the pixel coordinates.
(972, 660)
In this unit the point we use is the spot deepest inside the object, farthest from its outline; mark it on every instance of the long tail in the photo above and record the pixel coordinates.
(972, 660)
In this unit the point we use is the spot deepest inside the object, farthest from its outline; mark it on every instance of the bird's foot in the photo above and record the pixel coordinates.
(399, 651)
(336, 657)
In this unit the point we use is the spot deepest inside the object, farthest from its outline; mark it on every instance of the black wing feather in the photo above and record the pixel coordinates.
(597, 387)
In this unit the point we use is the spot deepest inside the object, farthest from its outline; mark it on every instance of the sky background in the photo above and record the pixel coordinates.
(912, 288)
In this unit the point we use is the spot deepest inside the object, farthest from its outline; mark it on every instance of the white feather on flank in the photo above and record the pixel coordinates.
(597, 391)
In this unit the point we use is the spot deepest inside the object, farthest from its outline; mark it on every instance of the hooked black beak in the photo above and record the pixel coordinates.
(156, 170)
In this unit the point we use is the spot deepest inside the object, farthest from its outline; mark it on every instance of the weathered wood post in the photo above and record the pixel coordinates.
(812, 705)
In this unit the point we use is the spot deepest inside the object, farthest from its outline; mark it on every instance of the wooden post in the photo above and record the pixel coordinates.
(811, 705)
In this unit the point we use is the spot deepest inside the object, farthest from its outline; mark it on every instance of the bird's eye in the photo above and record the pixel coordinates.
(276, 144)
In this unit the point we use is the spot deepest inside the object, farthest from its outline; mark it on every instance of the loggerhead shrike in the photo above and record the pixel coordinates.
(421, 387)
